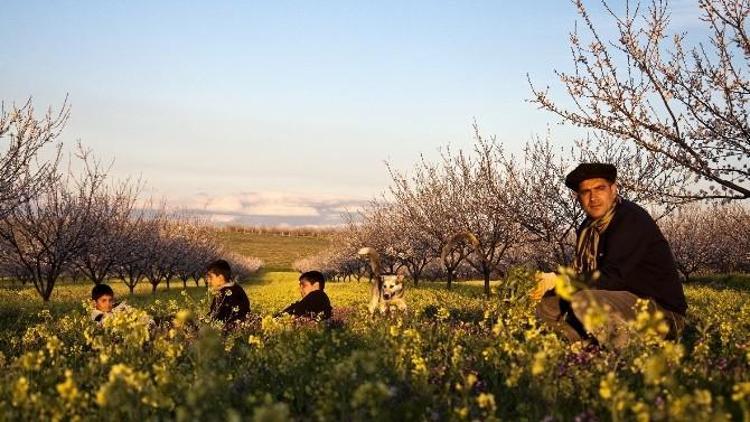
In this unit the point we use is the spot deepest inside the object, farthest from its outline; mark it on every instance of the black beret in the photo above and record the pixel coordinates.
(586, 171)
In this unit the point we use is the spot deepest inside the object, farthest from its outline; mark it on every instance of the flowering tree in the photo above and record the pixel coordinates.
(411, 247)
(692, 237)
(135, 254)
(200, 248)
(243, 267)
(738, 231)
(424, 199)
(731, 227)
(544, 207)
(111, 231)
(166, 251)
(45, 234)
(22, 175)
(709, 239)
(482, 204)
(687, 108)
(377, 229)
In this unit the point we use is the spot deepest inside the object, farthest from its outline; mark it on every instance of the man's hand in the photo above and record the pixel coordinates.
(544, 283)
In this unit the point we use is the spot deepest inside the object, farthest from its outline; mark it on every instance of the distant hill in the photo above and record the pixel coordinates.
(277, 252)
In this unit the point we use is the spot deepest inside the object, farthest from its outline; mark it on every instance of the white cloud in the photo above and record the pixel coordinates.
(224, 204)
(273, 208)
(222, 218)
(282, 209)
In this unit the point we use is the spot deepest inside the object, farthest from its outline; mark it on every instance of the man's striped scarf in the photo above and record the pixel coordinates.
(587, 247)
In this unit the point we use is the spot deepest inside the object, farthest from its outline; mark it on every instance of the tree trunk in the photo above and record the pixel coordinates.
(486, 274)
(48, 288)
(415, 275)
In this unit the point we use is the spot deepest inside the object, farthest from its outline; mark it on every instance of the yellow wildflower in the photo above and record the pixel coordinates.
(486, 401)
(443, 314)
(741, 391)
(255, 341)
(641, 412)
(68, 389)
(606, 386)
(563, 286)
(53, 345)
(540, 360)
(183, 316)
(653, 369)
(471, 379)
(20, 391)
(703, 397)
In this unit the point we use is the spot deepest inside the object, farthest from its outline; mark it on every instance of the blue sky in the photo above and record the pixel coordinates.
(282, 112)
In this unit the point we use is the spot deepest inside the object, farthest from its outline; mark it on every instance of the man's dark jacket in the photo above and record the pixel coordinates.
(633, 255)
(230, 305)
(314, 304)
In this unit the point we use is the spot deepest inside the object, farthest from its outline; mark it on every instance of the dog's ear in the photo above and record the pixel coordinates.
(400, 278)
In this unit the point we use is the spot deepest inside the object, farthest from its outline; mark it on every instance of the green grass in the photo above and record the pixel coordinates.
(739, 282)
(277, 252)
(269, 291)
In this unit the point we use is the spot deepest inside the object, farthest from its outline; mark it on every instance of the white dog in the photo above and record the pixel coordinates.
(387, 290)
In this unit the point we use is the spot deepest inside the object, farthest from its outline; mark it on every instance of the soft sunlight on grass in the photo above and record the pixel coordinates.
(277, 252)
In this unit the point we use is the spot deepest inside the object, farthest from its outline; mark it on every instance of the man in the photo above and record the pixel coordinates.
(315, 302)
(230, 304)
(621, 255)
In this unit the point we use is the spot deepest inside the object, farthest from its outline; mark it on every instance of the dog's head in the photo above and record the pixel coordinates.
(393, 286)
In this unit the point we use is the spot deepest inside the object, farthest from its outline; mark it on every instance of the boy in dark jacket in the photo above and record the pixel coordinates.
(315, 302)
(230, 304)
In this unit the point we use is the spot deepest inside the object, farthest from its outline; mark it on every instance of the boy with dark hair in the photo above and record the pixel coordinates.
(104, 303)
(315, 302)
(230, 304)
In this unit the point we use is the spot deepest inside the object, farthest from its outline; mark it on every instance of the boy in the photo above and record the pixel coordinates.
(104, 303)
(230, 304)
(315, 302)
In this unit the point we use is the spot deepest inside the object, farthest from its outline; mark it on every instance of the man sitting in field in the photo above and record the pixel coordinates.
(621, 255)
(230, 304)
(104, 303)
(314, 303)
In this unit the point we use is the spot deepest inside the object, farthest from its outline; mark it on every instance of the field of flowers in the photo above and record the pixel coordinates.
(453, 356)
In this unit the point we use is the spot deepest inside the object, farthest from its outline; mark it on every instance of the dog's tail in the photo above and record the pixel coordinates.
(453, 241)
(374, 258)
(376, 290)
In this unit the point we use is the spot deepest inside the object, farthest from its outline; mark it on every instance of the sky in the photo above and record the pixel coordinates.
(284, 112)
